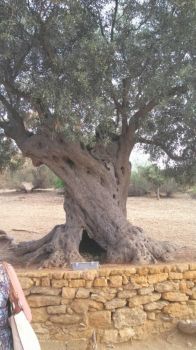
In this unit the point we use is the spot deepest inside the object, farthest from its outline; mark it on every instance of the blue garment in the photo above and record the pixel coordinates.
(5, 331)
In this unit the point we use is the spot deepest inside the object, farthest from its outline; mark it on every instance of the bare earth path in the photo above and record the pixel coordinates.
(30, 216)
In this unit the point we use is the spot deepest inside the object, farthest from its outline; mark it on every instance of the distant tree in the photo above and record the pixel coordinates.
(83, 82)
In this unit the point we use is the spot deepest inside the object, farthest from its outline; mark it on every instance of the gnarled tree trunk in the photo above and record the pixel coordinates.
(96, 187)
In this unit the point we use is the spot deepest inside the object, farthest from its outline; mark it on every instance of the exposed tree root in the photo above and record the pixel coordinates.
(61, 246)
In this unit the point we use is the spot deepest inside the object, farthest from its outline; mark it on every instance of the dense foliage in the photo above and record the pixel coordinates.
(90, 68)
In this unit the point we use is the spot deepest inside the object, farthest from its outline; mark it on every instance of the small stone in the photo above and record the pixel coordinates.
(26, 282)
(144, 299)
(175, 276)
(174, 296)
(166, 287)
(145, 291)
(157, 278)
(77, 283)
(66, 319)
(68, 293)
(159, 305)
(45, 291)
(115, 303)
(100, 282)
(151, 316)
(41, 300)
(139, 280)
(99, 319)
(59, 283)
(56, 310)
(115, 281)
(82, 293)
(45, 282)
(189, 275)
(110, 336)
(125, 294)
(39, 314)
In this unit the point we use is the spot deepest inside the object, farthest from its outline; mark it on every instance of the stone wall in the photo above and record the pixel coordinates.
(115, 304)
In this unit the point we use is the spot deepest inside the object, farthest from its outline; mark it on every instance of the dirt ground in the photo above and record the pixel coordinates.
(168, 341)
(30, 216)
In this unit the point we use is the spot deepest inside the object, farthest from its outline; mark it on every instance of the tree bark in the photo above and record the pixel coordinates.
(96, 187)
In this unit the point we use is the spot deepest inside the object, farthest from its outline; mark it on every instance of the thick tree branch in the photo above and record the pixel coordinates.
(114, 20)
(15, 127)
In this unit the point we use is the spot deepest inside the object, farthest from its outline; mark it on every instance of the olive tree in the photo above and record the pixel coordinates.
(83, 82)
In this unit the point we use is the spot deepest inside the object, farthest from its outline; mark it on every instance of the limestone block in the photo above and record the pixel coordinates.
(139, 280)
(158, 305)
(26, 292)
(192, 266)
(73, 275)
(125, 280)
(59, 283)
(183, 287)
(77, 283)
(46, 300)
(83, 293)
(115, 281)
(156, 269)
(39, 314)
(166, 287)
(125, 294)
(37, 282)
(116, 272)
(58, 274)
(45, 291)
(100, 282)
(144, 299)
(143, 270)
(110, 336)
(174, 296)
(40, 329)
(145, 291)
(182, 267)
(26, 282)
(126, 334)
(45, 282)
(127, 317)
(189, 275)
(151, 316)
(89, 275)
(66, 319)
(89, 284)
(65, 301)
(132, 286)
(177, 310)
(160, 277)
(175, 276)
(34, 273)
(83, 305)
(104, 272)
(115, 303)
(68, 293)
(102, 295)
(99, 319)
(56, 310)
(129, 271)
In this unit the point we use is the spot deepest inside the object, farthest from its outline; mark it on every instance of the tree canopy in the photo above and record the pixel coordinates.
(76, 67)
